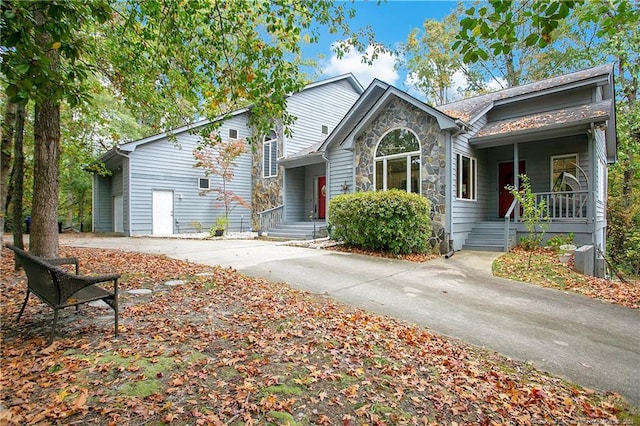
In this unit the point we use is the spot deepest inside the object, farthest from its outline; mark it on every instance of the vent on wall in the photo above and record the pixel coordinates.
(325, 129)
(203, 183)
(233, 133)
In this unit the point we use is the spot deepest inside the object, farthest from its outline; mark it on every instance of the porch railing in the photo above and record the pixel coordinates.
(270, 218)
(569, 206)
(507, 225)
(565, 205)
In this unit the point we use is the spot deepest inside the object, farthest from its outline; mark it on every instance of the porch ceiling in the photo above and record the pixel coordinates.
(549, 124)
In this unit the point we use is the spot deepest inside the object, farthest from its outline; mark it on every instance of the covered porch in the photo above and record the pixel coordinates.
(303, 212)
(565, 174)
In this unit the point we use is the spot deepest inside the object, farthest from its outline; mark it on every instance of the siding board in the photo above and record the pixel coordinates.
(169, 165)
(341, 172)
(322, 105)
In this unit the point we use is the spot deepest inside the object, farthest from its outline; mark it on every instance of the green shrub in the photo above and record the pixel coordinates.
(393, 221)
(558, 240)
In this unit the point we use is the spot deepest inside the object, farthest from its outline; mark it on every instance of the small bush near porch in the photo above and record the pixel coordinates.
(393, 221)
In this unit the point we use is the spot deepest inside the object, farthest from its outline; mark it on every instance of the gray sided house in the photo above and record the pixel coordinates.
(560, 132)
(155, 189)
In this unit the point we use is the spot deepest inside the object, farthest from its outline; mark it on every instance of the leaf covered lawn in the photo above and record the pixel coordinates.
(547, 271)
(223, 348)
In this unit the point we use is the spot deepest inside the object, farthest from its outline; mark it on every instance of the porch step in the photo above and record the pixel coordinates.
(487, 236)
(298, 230)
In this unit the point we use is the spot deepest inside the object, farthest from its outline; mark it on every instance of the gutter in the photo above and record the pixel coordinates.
(464, 127)
(577, 126)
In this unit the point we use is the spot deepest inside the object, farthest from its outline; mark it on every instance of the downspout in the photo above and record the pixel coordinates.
(591, 201)
(448, 152)
(448, 226)
(117, 151)
(516, 178)
(464, 127)
(328, 179)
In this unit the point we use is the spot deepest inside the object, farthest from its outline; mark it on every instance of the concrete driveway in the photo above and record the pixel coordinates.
(588, 342)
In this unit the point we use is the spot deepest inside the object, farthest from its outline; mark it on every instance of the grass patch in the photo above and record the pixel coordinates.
(282, 418)
(282, 389)
(142, 388)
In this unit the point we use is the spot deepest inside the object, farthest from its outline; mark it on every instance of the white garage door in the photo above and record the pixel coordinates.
(162, 212)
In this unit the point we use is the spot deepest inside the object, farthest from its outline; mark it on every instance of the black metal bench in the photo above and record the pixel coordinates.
(61, 289)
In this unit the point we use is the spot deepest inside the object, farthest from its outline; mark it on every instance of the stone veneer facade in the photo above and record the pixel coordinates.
(400, 114)
(266, 192)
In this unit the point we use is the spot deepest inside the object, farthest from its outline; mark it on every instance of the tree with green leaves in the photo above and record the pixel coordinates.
(431, 64)
(178, 59)
(576, 35)
(169, 61)
(7, 129)
(429, 57)
(44, 47)
(614, 25)
(504, 36)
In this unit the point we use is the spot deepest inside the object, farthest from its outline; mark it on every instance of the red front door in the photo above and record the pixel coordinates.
(505, 177)
(322, 197)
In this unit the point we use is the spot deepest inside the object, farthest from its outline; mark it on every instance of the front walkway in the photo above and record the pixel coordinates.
(586, 341)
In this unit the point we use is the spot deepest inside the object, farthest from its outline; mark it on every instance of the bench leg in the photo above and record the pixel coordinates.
(53, 327)
(26, 299)
(115, 313)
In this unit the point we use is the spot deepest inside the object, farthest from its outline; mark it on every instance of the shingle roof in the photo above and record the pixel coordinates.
(469, 109)
(556, 118)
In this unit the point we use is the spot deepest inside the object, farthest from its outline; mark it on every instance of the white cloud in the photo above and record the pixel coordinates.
(455, 92)
(411, 86)
(382, 68)
(497, 84)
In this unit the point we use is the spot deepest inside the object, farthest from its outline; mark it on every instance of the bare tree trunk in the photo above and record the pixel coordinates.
(46, 163)
(18, 177)
(5, 160)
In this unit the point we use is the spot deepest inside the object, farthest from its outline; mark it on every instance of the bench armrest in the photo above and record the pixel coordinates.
(71, 284)
(63, 261)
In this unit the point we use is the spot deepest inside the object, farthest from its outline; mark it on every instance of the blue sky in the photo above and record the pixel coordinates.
(392, 21)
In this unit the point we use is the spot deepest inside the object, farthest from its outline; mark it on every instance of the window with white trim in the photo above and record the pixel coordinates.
(397, 162)
(203, 183)
(564, 172)
(270, 155)
(467, 173)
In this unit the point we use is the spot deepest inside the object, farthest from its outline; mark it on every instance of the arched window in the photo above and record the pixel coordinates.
(270, 155)
(397, 161)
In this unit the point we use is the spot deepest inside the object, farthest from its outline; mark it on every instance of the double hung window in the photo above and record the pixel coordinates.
(270, 155)
(467, 173)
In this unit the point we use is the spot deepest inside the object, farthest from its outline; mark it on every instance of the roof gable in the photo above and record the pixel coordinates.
(131, 146)
(349, 77)
(572, 104)
(375, 97)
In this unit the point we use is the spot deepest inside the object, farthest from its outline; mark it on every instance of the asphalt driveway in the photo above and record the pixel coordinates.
(588, 342)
